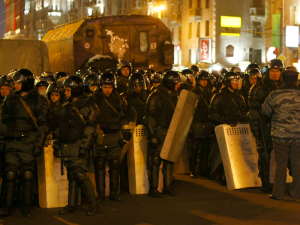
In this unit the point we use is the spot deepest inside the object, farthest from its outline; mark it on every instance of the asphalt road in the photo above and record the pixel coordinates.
(200, 201)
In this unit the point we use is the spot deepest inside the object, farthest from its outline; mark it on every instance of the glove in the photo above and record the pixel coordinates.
(56, 152)
(257, 134)
(233, 124)
(153, 141)
(126, 135)
(82, 152)
(37, 151)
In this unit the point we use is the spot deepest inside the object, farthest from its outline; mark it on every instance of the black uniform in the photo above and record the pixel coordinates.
(201, 130)
(53, 117)
(245, 91)
(185, 86)
(78, 123)
(257, 96)
(24, 141)
(113, 116)
(160, 108)
(122, 84)
(226, 107)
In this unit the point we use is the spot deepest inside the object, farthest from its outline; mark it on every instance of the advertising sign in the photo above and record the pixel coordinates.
(205, 50)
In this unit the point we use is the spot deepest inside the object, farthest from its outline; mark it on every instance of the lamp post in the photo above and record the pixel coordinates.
(159, 9)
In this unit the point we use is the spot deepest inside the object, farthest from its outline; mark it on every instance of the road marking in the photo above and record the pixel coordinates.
(65, 221)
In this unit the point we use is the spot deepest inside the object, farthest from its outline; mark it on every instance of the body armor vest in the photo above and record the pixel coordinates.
(168, 104)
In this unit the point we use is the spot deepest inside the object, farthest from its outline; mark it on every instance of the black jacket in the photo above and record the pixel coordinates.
(227, 107)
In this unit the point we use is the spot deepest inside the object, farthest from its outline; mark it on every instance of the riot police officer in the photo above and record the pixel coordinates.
(160, 108)
(124, 70)
(91, 82)
(61, 74)
(94, 70)
(212, 80)
(189, 84)
(55, 96)
(261, 125)
(227, 107)
(251, 77)
(6, 86)
(201, 128)
(113, 117)
(42, 83)
(78, 126)
(24, 123)
(219, 82)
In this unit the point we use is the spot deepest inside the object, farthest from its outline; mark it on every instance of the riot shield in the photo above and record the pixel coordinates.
(238, 156)
(180, 126)
(53, 187)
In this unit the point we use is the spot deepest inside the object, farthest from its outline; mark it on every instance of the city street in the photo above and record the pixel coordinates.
(200, 201)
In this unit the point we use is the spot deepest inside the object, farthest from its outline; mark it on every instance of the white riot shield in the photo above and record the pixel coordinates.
(180, 126)
(53, 187)
(137, 163)
(238, 156)
(183, 165)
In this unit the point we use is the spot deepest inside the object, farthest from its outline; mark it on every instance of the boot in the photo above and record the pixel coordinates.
(168, 179)
(10, 182)
(100, 179)
(153, 180)
(88, 189)
(265, 178)
(193, 160)
(114, 185)
(218, 174)
(205, 171)
(27, 194)
(72, 199)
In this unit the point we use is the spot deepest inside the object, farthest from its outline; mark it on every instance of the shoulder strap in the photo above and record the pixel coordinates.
(236, 106)
(204, 100)
(166, 98)
(79, 114)
(111, 106)
(30, 113)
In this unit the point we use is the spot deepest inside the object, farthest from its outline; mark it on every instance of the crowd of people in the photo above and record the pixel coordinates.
(89, 115)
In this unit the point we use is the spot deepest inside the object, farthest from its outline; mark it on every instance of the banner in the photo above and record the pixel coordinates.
(205, 50)
(276, 30)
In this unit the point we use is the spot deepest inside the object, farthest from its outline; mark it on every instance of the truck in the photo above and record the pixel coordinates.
(143, 41)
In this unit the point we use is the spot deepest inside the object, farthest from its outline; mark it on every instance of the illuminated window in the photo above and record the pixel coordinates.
(207, 28)
(144, 46)
(198, 4)
(256, 29)
(191, 4)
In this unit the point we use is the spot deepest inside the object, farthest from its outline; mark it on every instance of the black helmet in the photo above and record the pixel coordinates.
(170, 79)
(223, 71)
(49, 74)
(25, 77)
(291, 68)
(42, 81)
(137, 80)
(76, 85)
(82, 72)
(6, 82)
(60, 75)
(108, 79)
(202, 75)
(141, 72)
(94, 70)
(194, 68)
(237, 70)
(253, 72)
(187, 72)
(155, 78)
(289, 76)
(229, 76)
(91, 79)
(123, 64)
(253, 66)
(54, 88)
(275, 64)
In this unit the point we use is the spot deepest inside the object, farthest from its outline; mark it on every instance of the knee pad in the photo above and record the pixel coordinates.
(99, 165)
(11, 167)
(10, 176)
(156, 161)
(114, 164)
(28, 176)
(80, 177)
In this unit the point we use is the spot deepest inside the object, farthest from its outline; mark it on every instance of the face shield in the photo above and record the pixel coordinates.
(236, 82)
(139, 85)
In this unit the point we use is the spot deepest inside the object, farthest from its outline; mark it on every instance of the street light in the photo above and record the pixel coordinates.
(159, 9)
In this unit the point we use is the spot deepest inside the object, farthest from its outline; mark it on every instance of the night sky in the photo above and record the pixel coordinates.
(2, 18)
